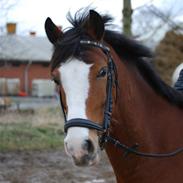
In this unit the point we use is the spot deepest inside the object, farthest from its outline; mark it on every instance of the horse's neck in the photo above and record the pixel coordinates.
(137, 119)
(135, 103)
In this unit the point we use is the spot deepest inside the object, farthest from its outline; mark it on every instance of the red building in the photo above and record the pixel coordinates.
(24, 57)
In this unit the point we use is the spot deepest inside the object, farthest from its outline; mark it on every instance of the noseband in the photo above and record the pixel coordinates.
(78, 122)
(104, 129)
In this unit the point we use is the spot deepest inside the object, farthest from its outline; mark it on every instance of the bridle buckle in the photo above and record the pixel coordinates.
(103, 139)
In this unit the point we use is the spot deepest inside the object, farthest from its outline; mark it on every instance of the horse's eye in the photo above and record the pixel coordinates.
(102, 72)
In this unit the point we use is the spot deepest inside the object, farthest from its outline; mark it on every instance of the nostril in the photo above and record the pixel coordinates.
(88, 145)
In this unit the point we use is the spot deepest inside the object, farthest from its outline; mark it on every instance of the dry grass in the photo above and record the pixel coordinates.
(30, 130)
(38, 117)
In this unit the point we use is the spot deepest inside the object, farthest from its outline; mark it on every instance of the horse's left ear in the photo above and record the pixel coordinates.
(94, 25)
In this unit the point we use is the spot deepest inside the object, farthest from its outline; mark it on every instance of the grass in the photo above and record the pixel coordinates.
(25, 136)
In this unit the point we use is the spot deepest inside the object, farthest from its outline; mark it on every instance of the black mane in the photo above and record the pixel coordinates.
(127, 49)
(135, 53)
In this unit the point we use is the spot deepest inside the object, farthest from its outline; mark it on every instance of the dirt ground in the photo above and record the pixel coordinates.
(50, 167)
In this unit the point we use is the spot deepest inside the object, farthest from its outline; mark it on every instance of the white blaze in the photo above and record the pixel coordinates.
(75, 82)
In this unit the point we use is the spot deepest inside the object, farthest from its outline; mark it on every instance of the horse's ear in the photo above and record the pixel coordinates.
(94, 25)
(52, 31)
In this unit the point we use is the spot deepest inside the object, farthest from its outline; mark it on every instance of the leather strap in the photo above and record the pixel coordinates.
(79, 122)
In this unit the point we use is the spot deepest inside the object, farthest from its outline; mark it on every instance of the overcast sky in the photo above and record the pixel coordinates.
(31, 14)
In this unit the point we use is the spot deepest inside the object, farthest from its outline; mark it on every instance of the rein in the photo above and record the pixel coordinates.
(104, 136)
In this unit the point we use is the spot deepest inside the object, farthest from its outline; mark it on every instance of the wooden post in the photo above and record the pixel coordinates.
(127, 17)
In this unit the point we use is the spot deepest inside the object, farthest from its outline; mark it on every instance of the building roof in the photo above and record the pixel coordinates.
(25, 48)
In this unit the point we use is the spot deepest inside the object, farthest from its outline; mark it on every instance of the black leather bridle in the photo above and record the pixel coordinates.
(104, 129)
(78, 122)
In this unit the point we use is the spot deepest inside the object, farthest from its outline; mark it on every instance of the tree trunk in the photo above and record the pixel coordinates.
(127, 17)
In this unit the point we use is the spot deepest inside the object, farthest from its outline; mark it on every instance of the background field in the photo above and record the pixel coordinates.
(31, 150)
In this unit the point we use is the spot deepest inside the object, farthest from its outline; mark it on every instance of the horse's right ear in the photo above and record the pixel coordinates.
(52, 31)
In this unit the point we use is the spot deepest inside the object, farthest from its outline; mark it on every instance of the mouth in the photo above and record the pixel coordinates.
(86, 160)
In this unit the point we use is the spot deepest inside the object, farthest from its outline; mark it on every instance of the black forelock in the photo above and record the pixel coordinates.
(82, 15)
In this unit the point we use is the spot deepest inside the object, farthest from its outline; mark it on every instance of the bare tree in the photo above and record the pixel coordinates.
(150, 21)
(5, 7)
